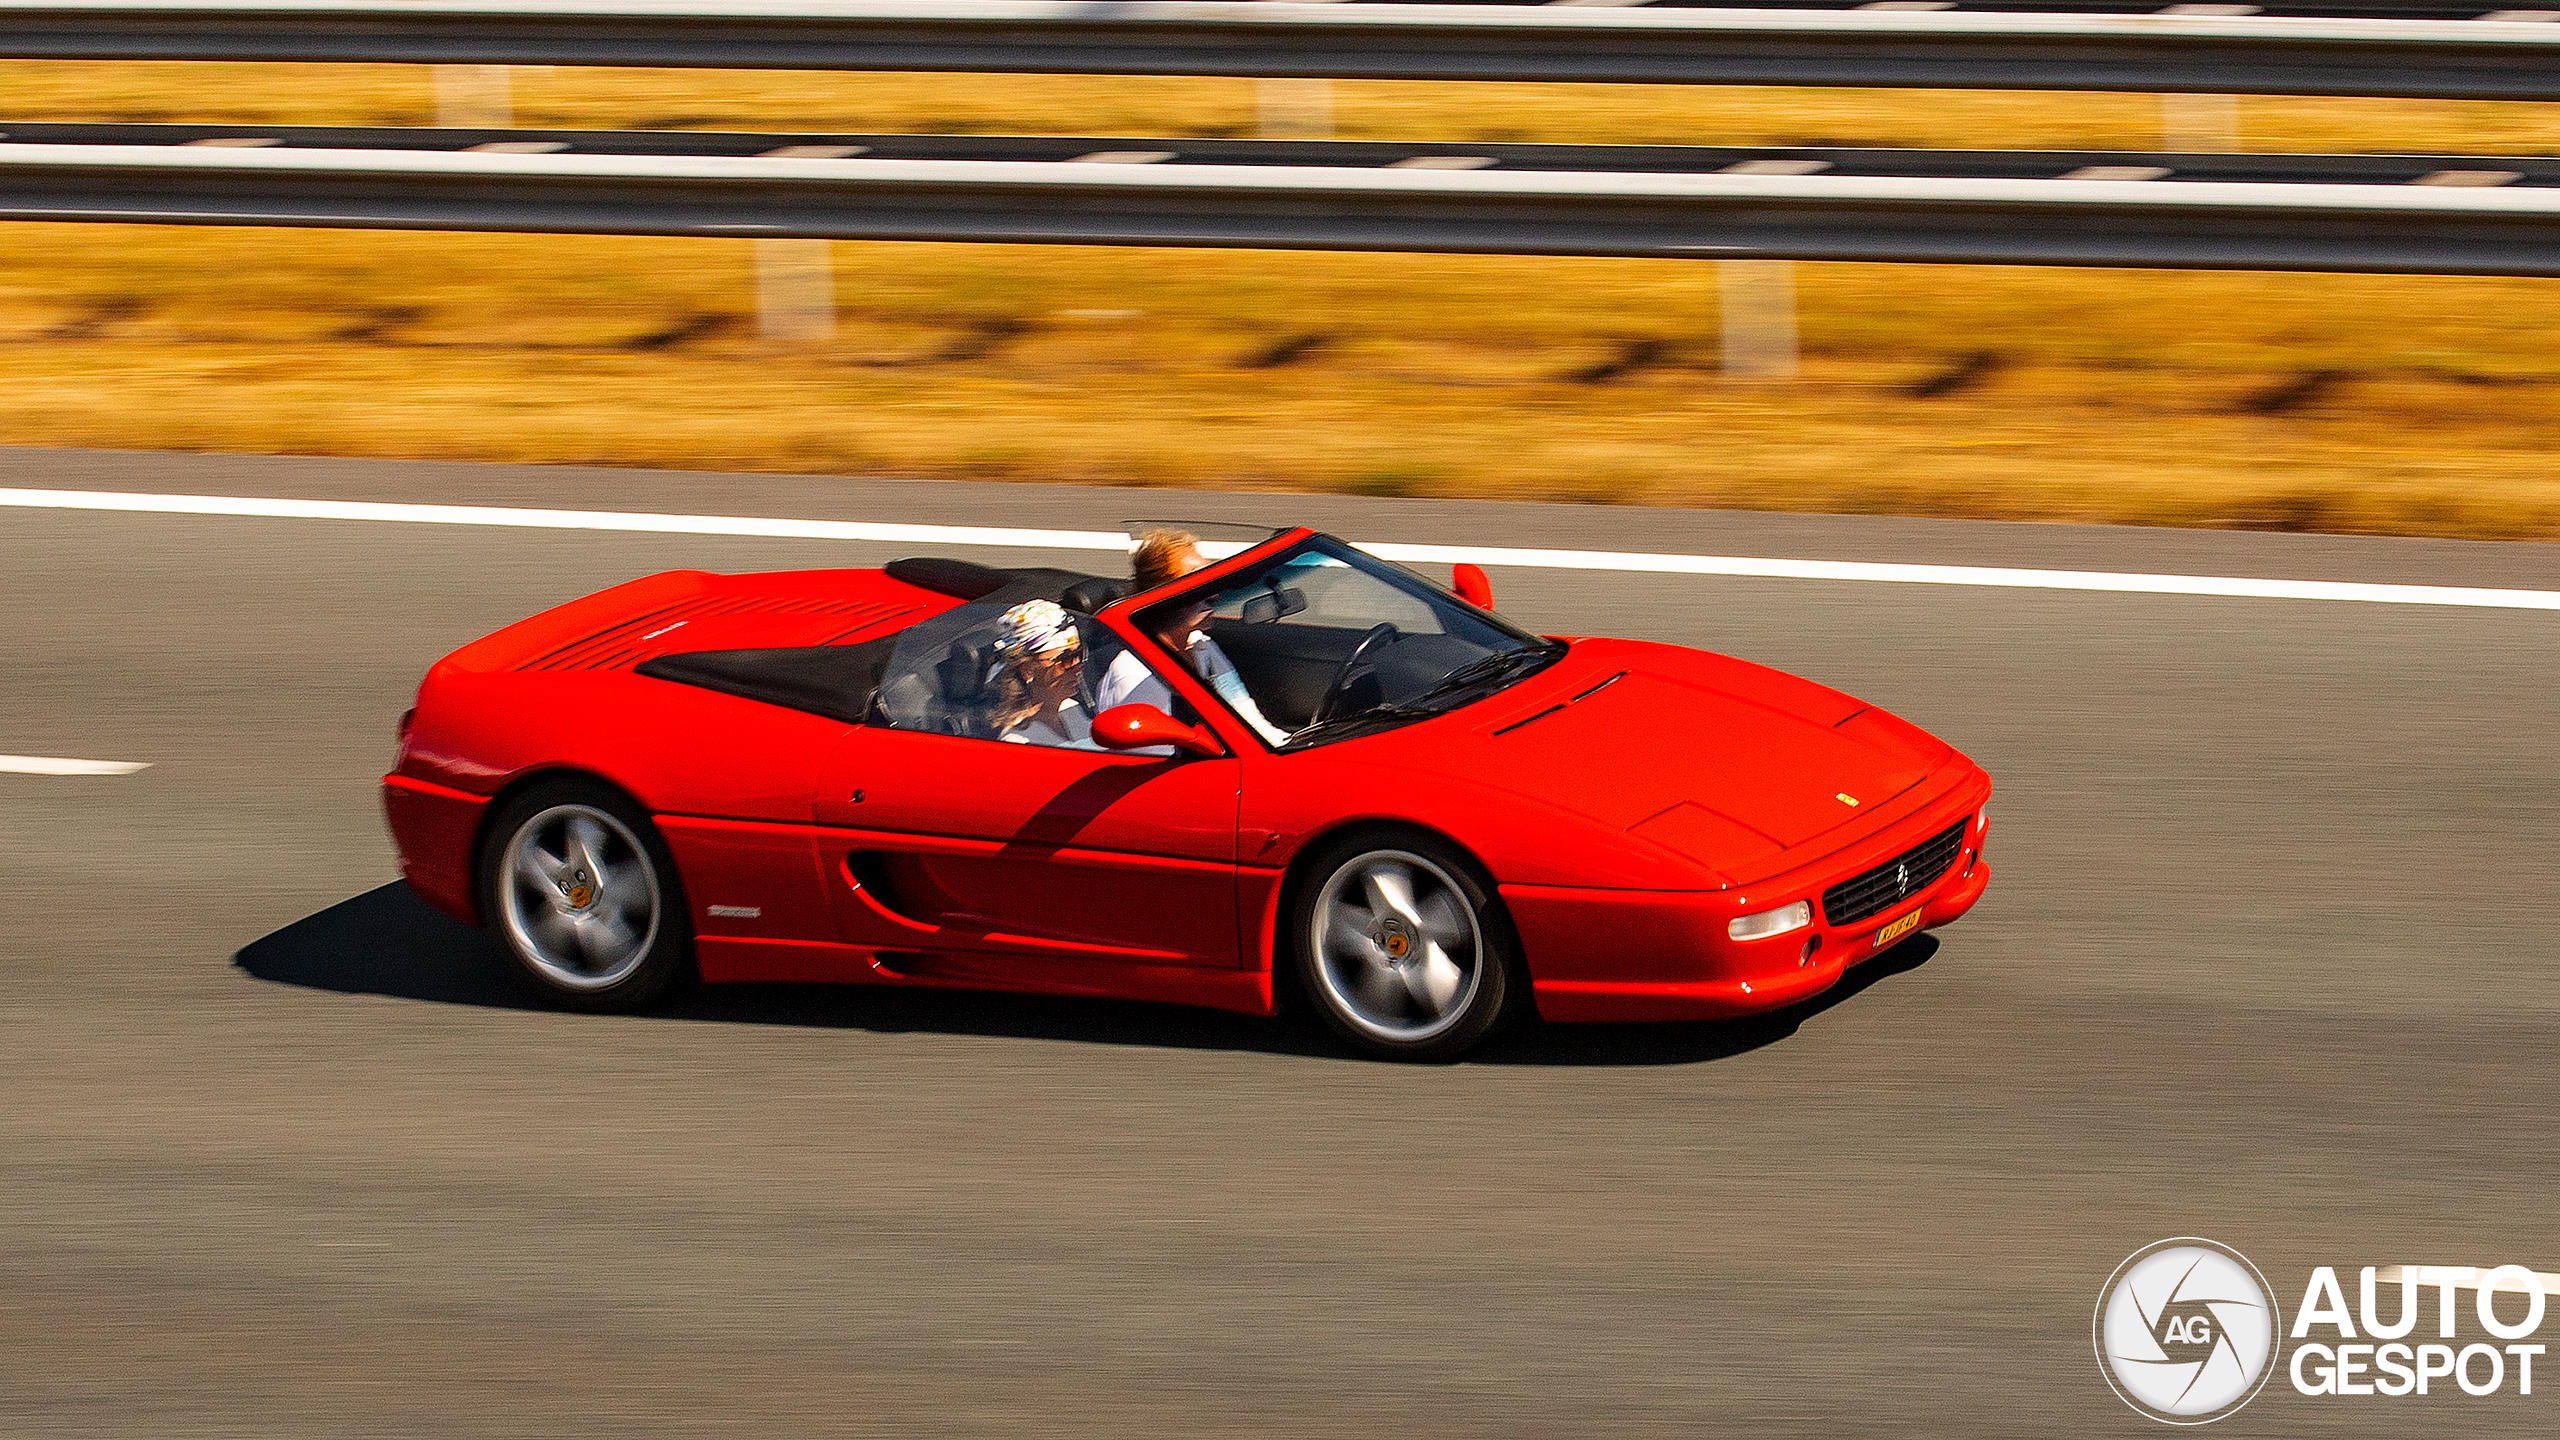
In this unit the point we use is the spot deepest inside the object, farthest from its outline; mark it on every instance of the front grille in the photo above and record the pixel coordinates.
(1884, 887)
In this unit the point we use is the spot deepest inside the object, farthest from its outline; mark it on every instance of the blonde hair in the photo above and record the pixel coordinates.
(1158, 558)
(1014, 700)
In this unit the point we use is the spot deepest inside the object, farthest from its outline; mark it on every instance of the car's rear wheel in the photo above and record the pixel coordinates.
(585, 896)
(1401, 945)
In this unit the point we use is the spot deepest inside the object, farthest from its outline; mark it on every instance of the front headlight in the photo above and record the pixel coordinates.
(1771, 922)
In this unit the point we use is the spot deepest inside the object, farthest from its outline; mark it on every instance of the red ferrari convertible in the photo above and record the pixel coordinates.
(1299, 770)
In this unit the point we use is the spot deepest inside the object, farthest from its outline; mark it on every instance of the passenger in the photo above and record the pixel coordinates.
(1039, 678)
(1162, 557)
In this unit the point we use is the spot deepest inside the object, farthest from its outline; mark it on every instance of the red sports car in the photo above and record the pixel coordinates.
(1300, 770)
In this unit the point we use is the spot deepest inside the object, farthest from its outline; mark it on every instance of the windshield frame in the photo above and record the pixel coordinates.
(1126, 616)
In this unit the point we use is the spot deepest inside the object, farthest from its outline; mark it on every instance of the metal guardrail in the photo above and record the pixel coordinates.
(2228, 54)
(2445, 228)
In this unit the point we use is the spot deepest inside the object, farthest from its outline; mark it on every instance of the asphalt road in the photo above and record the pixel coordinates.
(2267, 958)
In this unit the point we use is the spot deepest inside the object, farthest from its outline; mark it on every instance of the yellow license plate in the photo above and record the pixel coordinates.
(1897, 929)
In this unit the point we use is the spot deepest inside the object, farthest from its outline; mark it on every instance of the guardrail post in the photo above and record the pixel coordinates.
(1758, 304)
(795, 290)
(1294, 109)
(474, 97)
(2192, 124)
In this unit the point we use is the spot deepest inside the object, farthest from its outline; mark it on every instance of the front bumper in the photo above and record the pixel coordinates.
(1599, 955)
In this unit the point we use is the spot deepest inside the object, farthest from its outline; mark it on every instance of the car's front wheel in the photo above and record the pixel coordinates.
(1400, 943)
(585, 896)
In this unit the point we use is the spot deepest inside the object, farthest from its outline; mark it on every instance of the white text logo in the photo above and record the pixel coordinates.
(2346, 1368)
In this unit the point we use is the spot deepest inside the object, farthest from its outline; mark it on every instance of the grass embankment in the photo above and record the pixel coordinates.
(2362, 403)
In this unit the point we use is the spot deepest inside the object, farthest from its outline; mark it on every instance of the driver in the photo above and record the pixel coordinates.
(1039, 676)
(1164, 556)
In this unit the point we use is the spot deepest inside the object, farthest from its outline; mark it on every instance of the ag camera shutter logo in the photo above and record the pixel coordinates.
(2184, 1331)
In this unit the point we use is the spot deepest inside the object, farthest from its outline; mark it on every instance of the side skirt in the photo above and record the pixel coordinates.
(727, 959)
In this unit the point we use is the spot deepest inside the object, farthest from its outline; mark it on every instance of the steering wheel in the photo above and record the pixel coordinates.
(1333, 692)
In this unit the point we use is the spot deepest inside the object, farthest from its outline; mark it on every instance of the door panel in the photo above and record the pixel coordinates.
(977, 845)
(749, 879)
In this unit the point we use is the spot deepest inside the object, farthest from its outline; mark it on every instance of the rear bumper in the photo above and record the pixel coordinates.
(434, 829)
(1597, 955)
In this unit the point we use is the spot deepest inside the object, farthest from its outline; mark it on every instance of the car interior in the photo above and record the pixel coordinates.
(935, 676)
(1288, 668)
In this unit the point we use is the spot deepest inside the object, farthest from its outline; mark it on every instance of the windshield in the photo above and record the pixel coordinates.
(1324, 643)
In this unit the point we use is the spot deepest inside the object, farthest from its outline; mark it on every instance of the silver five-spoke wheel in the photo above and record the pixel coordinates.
(578, 896)
(1399, 953)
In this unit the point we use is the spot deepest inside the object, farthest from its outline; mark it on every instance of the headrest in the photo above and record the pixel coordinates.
(963, 669)
(1089, 596)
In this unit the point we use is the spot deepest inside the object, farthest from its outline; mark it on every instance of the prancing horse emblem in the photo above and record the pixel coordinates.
(1902, 879)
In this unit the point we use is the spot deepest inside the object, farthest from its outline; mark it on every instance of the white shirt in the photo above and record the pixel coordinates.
(1076, 735)
(1130, 682)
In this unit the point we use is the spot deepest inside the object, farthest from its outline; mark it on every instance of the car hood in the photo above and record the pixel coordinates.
(1726, 762)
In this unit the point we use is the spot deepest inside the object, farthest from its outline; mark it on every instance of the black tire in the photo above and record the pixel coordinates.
(584, 897)
(1363, 954)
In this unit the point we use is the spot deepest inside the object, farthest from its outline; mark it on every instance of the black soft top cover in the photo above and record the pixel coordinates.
(965, 580)
(839, 681)
(836, 681)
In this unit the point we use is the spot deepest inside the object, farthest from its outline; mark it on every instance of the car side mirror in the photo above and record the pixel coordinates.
(1472, 586)
(1135, 727)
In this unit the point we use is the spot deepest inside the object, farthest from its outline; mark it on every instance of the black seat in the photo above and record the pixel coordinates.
(962, 674)
(963, 670)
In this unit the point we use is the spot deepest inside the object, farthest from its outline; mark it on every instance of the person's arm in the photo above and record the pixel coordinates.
(1219, 673)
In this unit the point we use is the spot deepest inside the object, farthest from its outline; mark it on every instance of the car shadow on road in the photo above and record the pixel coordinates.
(389, 942)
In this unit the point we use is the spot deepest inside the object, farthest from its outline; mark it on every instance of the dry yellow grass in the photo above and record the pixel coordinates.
(2391, 404)
(571, 97)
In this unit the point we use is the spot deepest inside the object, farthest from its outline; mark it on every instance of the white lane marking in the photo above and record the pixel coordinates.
(1313, 181)
(564, 519)
(2464, 1277)
(2239, 587)
(2001, 576)
(49, 765)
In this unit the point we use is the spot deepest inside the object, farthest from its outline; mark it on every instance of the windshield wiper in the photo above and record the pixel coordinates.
(1341, 726)
(1500, 667)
